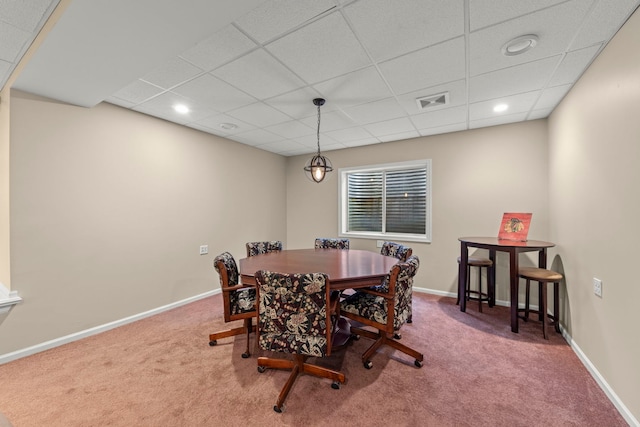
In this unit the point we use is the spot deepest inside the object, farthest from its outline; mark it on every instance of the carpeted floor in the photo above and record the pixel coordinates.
(161, 371)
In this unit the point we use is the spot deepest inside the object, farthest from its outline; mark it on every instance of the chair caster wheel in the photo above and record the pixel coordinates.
(213, 342)
(355, 337)
(277, 409)
(418, 363)
(368, 364)
(261, 369)
(397, 336)
(245, 355)
(335, 385)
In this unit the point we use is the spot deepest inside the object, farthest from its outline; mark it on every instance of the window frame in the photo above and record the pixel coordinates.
(386, 167)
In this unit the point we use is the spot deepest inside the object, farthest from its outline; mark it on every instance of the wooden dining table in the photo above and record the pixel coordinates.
(346, 268)
(513, 248)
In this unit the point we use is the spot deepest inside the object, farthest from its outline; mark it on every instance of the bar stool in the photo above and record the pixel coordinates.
(478, 295)
(543, 277)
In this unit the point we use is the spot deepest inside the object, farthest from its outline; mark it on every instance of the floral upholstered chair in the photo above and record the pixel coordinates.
(396, 250)
(324, 243)
(386, 308)
(293, 319)
(239, 301)
(401, 252)
(257, 248)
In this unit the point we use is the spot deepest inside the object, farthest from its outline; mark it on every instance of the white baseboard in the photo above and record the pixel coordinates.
(608, 391)
(8, 357)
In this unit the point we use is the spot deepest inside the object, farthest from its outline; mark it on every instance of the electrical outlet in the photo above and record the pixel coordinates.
(379, 243)
(204, 249)
(597, 287)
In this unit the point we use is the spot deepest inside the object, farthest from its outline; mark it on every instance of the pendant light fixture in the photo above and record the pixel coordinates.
(318, 166)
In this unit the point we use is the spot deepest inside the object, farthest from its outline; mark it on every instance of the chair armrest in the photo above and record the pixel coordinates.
(235, 288)
(384, 295)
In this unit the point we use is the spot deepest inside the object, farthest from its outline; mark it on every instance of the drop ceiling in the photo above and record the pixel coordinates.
(249, 72)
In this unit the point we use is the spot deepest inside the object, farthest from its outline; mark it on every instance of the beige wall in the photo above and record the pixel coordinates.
(595, 209)
(5, 274)
(477, 176)
(109, 208)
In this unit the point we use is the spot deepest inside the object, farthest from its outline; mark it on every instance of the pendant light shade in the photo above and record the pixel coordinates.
(318, 166)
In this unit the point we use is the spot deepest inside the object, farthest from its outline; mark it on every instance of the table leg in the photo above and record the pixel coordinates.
(513, 286)
(491, 278)
(462, 275)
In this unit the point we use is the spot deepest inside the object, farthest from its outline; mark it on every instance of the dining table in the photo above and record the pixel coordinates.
(513, 248)
(346, 269)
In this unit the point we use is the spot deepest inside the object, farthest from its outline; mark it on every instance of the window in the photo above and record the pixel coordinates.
(391, 202)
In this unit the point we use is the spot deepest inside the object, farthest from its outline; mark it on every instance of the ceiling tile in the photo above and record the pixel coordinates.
(286, 145)
(275, 17)
(483, 13)
(390, 127)
(510, 81)
(298, 103)
(399, 136)
(291, 130)
(332, 120)
(257, 137)
(351, 134)
(427, 67)
(552, 96)
(13, 42)
(361, 142)
(573, 65)
(554, 26)
(259, 114)
(224, 46)
(375, 111)
(25, 15)
(354, 88)
(137, 92)
(214, 121)
(438, 130)
(495, 121)
(259, 74)
(539, 114)
(439, 118)
(392, 28)
(521, 103)
(321, 50)
(219, 95)
(603, 21)
(173, 72)
(312, 141)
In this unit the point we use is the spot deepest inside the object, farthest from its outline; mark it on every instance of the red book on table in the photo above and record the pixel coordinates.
(514, 226)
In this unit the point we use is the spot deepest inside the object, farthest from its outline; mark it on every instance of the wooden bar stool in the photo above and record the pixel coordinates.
(543, 277)
(476, 295)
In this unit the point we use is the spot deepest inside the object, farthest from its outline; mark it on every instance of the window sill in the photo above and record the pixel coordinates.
(8, 299)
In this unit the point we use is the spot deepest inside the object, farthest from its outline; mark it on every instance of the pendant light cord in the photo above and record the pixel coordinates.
(318, 131)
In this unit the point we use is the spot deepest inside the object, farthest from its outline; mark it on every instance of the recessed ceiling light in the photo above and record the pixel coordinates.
(500, 108)
(228, 126)
(181, 108)
(520, 45)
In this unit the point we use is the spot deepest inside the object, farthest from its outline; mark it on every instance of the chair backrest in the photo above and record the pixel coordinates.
(396, 250)
(292, 313)
(326, 243)
(237, 302)
(403, 288)
(227, 268)
(257, 248)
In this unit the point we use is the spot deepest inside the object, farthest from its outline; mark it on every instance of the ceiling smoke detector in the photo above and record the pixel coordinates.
(433, 101)
(520, 45)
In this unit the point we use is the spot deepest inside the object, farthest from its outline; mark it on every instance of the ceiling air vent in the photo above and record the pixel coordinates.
(433, 101)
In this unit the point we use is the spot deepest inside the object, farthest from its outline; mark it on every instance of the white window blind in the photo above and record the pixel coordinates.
(386, 201)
